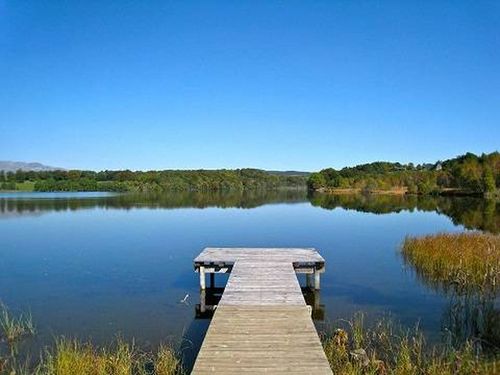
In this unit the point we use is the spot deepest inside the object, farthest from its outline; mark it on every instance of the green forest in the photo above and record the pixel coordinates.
(468, 174)
(149, 181)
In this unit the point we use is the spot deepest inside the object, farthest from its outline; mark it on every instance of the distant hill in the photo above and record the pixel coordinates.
(289, 173)
(12, 166)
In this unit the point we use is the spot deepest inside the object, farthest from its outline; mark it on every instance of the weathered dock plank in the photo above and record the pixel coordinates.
(262, 323)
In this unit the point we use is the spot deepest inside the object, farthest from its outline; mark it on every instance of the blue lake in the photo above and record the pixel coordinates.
(96, 265)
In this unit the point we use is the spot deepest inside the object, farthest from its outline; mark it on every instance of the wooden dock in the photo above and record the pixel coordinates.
(262, 323)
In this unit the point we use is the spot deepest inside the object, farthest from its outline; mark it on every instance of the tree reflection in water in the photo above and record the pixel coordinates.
(471, 212)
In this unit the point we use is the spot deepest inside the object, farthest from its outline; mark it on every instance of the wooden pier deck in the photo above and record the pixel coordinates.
(262, 323)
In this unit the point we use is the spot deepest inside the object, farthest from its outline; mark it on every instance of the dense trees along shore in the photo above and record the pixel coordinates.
(466, 174)
(149, 181)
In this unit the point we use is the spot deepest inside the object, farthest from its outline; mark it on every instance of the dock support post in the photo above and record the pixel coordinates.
(316, 279)
(212, 280)
(317, 301)
(309, 280)
(202, 278)
(203, 302)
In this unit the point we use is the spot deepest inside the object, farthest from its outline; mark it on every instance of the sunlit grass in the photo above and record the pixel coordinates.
(166, 362)
(12, 327)
(464, 261)
(389, 349)
(25, 186)
(71, 357)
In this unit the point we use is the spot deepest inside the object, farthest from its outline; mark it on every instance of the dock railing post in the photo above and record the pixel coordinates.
(202, 278)
(212, 280)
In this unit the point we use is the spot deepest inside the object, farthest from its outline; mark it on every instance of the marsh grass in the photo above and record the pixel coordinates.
(463, 262)
(387, 348)
(166, 362)
(466, 266)
(71, 357)
(14, 328)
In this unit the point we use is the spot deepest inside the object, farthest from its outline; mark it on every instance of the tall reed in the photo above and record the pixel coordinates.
(467, 267)
(463, 262)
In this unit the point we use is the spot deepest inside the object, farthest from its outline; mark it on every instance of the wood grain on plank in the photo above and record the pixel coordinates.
(262, 323)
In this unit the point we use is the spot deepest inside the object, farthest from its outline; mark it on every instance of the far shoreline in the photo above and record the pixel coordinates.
(449, 192)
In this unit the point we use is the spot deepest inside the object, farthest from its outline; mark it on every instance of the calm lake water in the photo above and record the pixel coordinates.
(92, 265)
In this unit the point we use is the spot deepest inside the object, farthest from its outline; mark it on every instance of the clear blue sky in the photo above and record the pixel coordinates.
(267, 84)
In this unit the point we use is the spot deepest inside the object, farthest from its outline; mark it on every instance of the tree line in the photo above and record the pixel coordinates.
(150, 181)
(465, 174)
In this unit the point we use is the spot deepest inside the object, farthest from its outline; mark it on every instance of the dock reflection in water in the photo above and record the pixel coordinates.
(210, 297)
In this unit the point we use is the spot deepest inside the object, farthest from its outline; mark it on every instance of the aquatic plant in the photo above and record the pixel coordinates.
(472, 317)
(71, 357)
(389, 349)
(467, 267)
(166, 362)
(463, 262)
(13, 328)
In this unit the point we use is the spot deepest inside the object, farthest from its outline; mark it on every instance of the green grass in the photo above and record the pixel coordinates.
(389, 349)
(25, 186)
(464, 261)
(166, 362)
(17, 186)
(72, 357)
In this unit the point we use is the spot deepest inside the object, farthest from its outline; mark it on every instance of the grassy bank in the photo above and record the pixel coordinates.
(389, 349)
(17, 186)
(71, 357)
(350, 191)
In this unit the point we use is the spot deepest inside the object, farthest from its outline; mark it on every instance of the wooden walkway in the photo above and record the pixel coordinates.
(262, 323)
